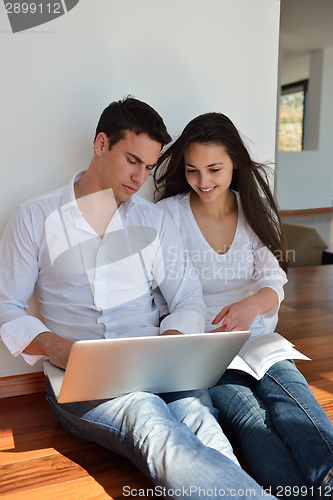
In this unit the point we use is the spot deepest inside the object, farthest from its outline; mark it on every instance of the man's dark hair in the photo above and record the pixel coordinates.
(134, 115)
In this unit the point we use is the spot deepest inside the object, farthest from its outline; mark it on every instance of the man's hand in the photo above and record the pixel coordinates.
(53, 346)
(171, 332)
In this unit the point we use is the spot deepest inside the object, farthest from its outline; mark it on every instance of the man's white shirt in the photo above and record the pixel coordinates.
(91, 287)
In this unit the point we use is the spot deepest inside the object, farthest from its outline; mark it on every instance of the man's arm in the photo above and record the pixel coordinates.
(18, 275)
(51, 345)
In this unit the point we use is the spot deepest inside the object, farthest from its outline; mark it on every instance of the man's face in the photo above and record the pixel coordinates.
(126, 167)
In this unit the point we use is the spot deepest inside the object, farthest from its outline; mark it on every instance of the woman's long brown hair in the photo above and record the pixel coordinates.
(250, 179)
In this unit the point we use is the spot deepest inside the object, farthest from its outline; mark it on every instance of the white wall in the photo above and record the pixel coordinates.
(304, 179)
(182, 57)
(295, 68)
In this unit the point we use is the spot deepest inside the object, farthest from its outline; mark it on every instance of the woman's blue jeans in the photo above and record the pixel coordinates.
(176, 441)
(285, 435)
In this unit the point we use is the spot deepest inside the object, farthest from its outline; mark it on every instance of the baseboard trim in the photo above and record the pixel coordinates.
(307, 211)
(19, 385)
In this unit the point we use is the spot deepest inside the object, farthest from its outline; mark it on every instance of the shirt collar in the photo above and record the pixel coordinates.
(128, 205)
(68, 200)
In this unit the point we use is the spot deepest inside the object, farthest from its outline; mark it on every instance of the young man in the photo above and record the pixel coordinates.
(95, 251)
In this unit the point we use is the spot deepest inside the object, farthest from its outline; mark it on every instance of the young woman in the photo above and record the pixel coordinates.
(221, 201)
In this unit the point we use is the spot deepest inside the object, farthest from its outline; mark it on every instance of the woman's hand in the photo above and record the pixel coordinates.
(240, 315)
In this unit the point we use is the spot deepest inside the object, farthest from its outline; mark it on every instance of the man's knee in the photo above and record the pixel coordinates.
(143, 408)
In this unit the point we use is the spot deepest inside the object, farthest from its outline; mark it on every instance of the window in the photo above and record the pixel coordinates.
(292, 116)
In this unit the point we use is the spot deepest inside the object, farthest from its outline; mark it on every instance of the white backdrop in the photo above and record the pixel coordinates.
(183, 57)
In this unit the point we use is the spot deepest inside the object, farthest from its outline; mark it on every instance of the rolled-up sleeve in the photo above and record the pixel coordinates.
(268, 273)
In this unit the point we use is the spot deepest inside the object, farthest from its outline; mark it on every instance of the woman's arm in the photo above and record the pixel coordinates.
(240, 315)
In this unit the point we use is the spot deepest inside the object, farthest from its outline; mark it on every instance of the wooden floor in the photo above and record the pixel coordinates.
(306, 319)
(40, 461)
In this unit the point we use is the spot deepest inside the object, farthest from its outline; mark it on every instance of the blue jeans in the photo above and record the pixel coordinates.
(155, 435)
(285, 435)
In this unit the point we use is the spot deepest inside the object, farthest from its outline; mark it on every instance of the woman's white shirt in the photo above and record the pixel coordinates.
(226, 278)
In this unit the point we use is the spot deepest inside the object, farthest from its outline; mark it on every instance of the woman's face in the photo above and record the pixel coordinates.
(208, 170)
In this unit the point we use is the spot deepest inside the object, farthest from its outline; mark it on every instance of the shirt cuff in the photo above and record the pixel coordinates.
(189, 322)
(31, 359)
(19, 333)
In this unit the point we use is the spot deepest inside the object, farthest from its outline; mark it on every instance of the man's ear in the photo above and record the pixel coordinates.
(101, 143)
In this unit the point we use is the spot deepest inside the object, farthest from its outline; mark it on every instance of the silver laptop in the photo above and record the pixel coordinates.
(107, 368)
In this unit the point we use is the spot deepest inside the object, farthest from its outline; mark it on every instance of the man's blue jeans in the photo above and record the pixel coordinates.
(155, 435)
(285, 435)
